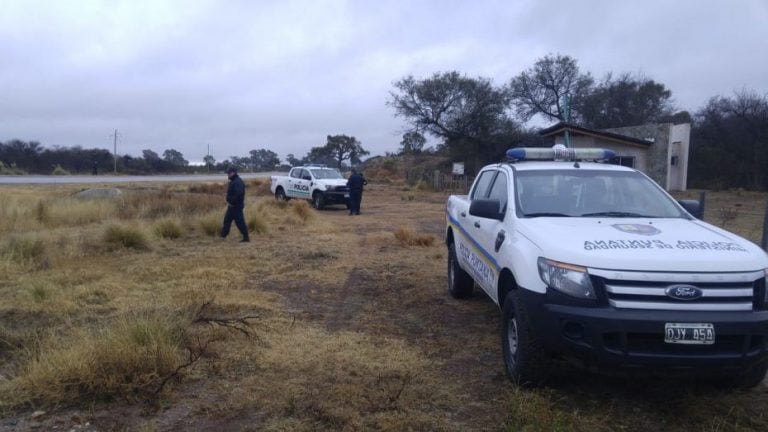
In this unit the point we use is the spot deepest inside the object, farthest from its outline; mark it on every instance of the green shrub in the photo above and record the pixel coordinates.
(125, 236)
(168, 228)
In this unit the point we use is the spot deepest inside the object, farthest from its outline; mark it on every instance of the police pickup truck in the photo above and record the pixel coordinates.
(596, 262)
(318, 184)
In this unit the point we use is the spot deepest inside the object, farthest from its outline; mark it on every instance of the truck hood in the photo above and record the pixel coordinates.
(642, 244)
(332, 182)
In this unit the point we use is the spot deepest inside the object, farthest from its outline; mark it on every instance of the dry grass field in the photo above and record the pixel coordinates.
(129, 313)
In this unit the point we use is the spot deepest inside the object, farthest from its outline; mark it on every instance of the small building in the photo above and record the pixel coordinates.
(658, 150)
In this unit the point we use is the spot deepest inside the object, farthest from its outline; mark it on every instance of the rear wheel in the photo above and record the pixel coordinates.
(318, 201)
(280, 195)
(460, 283)
(525, 361)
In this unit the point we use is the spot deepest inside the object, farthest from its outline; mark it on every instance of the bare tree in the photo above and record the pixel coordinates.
(541, 88)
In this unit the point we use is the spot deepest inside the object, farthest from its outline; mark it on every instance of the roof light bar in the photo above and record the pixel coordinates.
(558, 153)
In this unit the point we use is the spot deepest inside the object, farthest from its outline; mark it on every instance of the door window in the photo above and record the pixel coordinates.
(482, 185)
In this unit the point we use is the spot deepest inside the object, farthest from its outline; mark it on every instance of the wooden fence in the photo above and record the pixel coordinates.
(439, 181)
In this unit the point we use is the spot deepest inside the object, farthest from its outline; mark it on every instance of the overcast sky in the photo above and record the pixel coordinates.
(282, 75)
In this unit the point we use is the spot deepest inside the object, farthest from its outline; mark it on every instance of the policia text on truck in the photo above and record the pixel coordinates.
(597, 262)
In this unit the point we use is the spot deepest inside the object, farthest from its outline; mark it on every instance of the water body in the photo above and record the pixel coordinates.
(101, 179)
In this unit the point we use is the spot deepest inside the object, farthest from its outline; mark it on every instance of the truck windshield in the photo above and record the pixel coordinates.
(326, 173)
(585, 193)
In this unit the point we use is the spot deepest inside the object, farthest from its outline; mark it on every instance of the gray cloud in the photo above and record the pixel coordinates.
(283, 75)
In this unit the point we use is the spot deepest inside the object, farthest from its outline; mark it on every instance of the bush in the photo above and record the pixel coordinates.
(407, 237)
(124, 236)
(168, 228)
(58, 170)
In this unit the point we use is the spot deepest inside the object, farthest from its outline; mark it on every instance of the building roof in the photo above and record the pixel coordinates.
(561, 127)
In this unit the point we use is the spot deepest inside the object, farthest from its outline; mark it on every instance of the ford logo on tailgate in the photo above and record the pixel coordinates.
(683, 292)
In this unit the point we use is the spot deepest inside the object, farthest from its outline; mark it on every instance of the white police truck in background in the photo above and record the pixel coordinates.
(596, 262)
(317, 183)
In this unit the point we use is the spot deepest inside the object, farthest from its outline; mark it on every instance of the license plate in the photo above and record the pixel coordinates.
(688, 333)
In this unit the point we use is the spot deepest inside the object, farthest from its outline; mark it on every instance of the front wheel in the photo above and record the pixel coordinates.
(318, 201)
(752, 376)
(460, 283)
(525, 361)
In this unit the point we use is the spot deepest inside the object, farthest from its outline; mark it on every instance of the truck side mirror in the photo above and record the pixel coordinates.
(693, 207)
(486, 208)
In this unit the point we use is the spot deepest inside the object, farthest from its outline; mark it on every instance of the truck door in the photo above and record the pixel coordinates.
(491, 233)
(300, 186)
(470, 246)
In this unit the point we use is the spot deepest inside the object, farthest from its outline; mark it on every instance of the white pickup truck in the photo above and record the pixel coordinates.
(319, 184)
(596, 262)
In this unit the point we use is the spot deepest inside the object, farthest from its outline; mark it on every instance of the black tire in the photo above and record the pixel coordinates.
(460, 283)
(525, 361)
(280, 195)
(318, 200)
(752, 376)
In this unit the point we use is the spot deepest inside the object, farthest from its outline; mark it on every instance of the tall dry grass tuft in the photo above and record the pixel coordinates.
(122, 236)
(42, 213)
(408, 237)
(58, 170)
(156, 204)
(128, 359)
(210, 224)
(25, 249)
(257, 222)
(259, 187)
(302, 209)
(168, 228)
(208, 188)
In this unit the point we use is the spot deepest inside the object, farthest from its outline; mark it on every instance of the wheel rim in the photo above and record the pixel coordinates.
(451, 272)
(317, 201)
(512, 338)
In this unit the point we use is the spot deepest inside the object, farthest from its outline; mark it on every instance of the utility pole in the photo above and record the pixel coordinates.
(114, 154)
(207, 158)
(567, 120)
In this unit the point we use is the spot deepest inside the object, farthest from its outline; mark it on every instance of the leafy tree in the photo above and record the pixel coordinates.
(175, 158)
(241, 163)
(292, 160)
(264, 160)
(209, 161)
(342, 147)
(541, 89)
(318, 155)
(626, 101)
(730, 137)
(150, 156)
(412, 143)
(468, 114)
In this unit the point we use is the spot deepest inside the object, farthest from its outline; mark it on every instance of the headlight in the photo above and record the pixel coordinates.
(566, 278)
(765, 288)
(328, 187)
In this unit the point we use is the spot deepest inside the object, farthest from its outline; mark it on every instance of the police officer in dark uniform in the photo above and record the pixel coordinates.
(355, 184)
(235, 205)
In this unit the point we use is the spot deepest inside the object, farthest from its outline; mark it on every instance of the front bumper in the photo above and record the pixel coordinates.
(336, 197)
(604, 335)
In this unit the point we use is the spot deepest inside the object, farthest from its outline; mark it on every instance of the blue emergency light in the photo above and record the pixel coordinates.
(558, 153)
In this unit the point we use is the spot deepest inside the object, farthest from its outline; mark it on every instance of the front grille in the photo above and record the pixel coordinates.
(653, 344)
(341, 189)
(742, 291)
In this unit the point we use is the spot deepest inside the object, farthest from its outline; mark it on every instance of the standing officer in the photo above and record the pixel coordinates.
(355, 184)
(235, 204)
